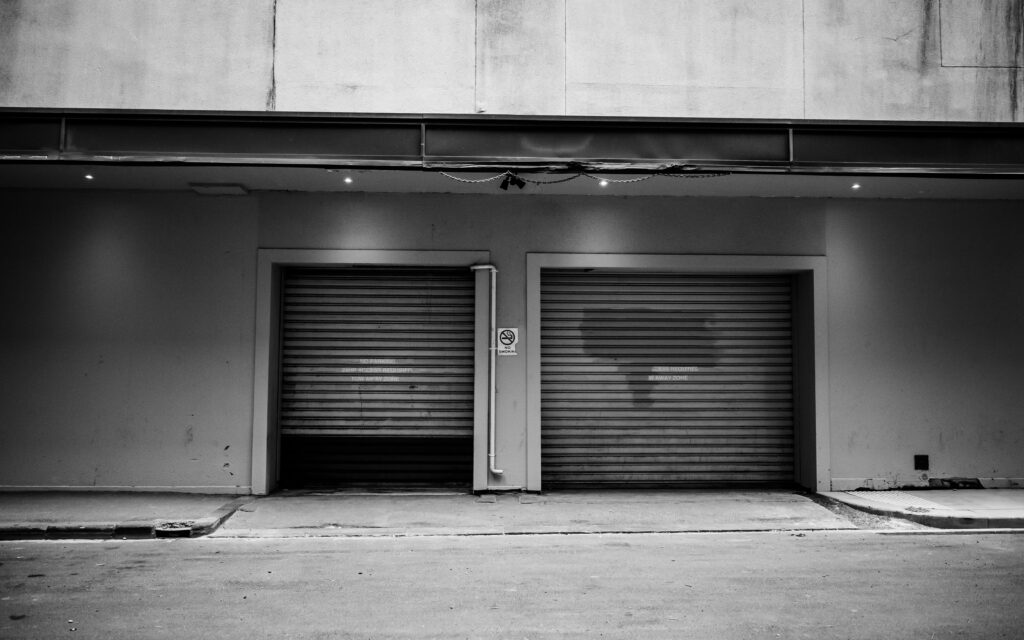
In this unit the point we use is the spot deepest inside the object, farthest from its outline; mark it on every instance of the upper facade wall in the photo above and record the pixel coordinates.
(790, 59)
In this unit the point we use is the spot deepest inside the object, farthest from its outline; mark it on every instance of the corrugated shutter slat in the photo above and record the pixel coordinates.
(377, 352)
(665, 379)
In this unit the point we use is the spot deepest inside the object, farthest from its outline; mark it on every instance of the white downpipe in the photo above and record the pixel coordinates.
(491, 368)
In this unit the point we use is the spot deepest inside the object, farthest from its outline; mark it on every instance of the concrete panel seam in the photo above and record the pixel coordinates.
(476, 57)
(803, 62)
(272, 91)
(565, 57)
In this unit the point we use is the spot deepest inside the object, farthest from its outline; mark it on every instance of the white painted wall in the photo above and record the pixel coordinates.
(791, 59)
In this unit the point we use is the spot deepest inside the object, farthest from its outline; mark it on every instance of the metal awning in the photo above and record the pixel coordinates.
(557, 144)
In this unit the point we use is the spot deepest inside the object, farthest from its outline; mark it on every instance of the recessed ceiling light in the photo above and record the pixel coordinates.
(348, 179)
(855, 186)
(88, 176)
(603, 183)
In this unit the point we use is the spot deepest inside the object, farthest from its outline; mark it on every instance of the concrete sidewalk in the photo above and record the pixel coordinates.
(26, 515)
(346, 514)
(943, 508)
(79, 514)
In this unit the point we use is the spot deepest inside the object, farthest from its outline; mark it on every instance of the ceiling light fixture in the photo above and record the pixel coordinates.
(855, 186)
(348, 179)
(603, 183)
(88, 176)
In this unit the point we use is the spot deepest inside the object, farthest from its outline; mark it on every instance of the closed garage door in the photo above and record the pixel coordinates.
(665, 380)
(376, 377)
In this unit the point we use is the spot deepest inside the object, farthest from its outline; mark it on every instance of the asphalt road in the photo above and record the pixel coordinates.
(852, 584)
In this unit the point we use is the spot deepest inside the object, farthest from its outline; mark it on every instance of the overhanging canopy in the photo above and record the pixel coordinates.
(487, 142)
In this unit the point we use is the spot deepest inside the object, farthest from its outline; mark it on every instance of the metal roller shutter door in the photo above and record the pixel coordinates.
(665, 379)
(377, 376)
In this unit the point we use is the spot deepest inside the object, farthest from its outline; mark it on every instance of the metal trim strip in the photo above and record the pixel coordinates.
(467, 142)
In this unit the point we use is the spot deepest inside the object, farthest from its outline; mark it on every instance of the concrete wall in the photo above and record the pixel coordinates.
(816, 59)
(925, 308)
(126, 341)
(512, 226)
(137, 54)
(914, 60)
(375, 55)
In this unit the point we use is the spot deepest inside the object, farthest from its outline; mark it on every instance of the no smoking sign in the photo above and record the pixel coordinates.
(508, 337)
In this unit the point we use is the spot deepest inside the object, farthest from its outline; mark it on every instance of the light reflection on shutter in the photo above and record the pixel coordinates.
(378, 352)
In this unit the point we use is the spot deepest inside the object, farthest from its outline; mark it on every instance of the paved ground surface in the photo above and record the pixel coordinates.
(944, 508)
(100, 514)
(795, 584)
(346, 514)
(117, 515)
(87, 507)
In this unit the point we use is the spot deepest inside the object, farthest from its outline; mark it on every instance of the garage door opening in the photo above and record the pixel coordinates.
(666, 380)
(376, 377)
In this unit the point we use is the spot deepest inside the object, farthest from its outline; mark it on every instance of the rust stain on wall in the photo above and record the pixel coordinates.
(1015, 25)
(984, 34)
(929, 36)
(272, 90)
(10, 13)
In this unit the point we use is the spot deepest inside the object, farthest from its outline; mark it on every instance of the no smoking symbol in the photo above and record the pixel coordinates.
(507, 337)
